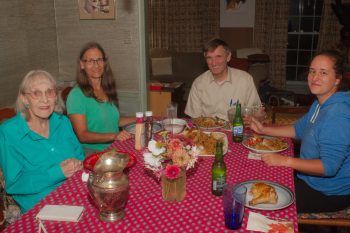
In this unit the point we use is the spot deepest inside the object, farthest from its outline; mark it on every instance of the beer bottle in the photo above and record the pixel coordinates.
(218, 171)
(237, 125)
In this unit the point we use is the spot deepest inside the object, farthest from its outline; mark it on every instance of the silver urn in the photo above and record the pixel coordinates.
(108, 186)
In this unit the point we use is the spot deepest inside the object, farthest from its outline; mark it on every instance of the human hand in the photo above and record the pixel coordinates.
(70, 166)
(273, 159)
(260, 114)
(123, 135)
(256, 126)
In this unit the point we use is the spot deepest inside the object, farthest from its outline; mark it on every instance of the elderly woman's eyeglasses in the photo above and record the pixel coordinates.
(99, 61)
(49, 93)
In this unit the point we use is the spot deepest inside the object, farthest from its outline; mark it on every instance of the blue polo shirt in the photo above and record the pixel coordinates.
(30, 162)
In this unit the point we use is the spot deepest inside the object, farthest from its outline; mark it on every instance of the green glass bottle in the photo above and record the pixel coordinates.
(218, 171)
(237, 125)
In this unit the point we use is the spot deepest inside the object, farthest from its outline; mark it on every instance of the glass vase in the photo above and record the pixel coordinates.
(174, 190)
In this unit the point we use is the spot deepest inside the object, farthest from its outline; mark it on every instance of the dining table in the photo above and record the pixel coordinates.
(146, 211)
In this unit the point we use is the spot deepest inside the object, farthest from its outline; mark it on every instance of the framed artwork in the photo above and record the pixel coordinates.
(97, 9)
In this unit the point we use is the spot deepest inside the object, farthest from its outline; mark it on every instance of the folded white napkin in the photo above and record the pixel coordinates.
(253, 155)
(259, 222)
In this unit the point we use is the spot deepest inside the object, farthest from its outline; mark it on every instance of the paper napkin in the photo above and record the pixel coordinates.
(253, 155)
(61, 213)
(259, 222)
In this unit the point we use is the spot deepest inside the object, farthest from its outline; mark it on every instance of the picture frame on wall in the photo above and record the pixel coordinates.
(97, 9)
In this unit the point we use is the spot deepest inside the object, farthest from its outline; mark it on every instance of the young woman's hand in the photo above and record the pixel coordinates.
(273, 159)
(123, 135)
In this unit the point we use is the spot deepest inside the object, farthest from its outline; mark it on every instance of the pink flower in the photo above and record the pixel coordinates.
(172, 172)
(181, 158)
(175, 144)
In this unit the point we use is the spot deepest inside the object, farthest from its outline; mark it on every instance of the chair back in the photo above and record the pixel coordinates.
(290, 113)
(6, 113)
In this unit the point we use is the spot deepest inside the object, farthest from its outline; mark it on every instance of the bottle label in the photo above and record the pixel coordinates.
(237, 130)
(219, 183)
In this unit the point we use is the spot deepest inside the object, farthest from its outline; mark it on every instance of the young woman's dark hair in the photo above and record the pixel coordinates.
(339, 67)
(107, 82)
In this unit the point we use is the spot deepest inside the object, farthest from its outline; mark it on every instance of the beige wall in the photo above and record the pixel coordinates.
(27, 41)
(48, 34)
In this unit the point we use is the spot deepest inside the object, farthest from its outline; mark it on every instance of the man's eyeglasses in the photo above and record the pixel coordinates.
(49, 93)
(99, 61)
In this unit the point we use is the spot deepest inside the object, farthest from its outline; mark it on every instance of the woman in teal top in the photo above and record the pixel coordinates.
(38, 147)
(92, 104)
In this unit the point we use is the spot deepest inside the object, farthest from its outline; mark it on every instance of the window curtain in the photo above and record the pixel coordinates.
(183, 25)
(329, 35)
(270, 34)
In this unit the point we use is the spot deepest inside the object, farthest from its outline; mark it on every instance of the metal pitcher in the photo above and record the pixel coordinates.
(108, 186)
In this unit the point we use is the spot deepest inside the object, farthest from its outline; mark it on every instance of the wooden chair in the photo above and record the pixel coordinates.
(64, 93)
(7, 205)
(6, 113)
(290, 113)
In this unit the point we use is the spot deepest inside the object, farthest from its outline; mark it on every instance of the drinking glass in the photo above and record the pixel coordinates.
(234, 197)
(171, 110)
(171, 113)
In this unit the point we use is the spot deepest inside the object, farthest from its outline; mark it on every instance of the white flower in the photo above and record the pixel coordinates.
(155, 147)
(153, 162)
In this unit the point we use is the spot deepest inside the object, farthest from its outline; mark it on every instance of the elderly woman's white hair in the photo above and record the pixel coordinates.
(28, 82)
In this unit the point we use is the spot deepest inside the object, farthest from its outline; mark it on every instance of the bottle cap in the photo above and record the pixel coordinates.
(139, 114)
(148, 113)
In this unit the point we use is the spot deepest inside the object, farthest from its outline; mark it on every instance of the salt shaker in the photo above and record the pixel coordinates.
(139, 131)
(148, 126)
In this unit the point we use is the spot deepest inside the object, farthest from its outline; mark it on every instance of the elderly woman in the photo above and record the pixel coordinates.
(38, 147)
(92, 104)
(323, 178)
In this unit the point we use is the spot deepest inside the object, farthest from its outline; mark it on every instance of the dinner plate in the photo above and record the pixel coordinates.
(222, 123)
(285, 196)
(131, 127)
(89, 162)
(245, 144)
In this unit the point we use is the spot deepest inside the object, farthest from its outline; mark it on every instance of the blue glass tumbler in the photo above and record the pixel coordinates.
(234, 197)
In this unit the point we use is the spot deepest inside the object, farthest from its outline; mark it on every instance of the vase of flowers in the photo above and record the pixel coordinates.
(169, 159)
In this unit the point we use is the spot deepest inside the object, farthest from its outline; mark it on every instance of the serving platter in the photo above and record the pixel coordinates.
(285, 196)
(209, 123)
(90, 161)
(249, 143)
(157, 127)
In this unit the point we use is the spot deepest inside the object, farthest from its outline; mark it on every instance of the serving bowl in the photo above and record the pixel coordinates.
(174, 125)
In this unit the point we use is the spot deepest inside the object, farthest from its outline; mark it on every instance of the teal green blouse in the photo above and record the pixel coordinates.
(30, 162)
(101, 117)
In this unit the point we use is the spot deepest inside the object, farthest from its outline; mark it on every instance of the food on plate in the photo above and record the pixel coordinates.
(262, 143)
(205, 140)
(263, 194)
(208, 122)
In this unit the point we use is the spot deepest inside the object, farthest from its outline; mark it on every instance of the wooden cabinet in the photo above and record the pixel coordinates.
(159, 99)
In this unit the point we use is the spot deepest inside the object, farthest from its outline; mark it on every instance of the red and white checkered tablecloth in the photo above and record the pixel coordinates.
(146, 211)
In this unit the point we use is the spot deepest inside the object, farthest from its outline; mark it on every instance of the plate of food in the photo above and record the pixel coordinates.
(209, 123)
(267, 195)
(264, 144)
(157, 127)
(206, 140)
(90, 161)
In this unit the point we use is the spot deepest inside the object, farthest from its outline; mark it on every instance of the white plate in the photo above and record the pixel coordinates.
(285, 196)
(244, 143)
(131, 127)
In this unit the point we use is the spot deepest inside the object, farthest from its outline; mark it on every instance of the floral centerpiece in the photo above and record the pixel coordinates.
(169, 159)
